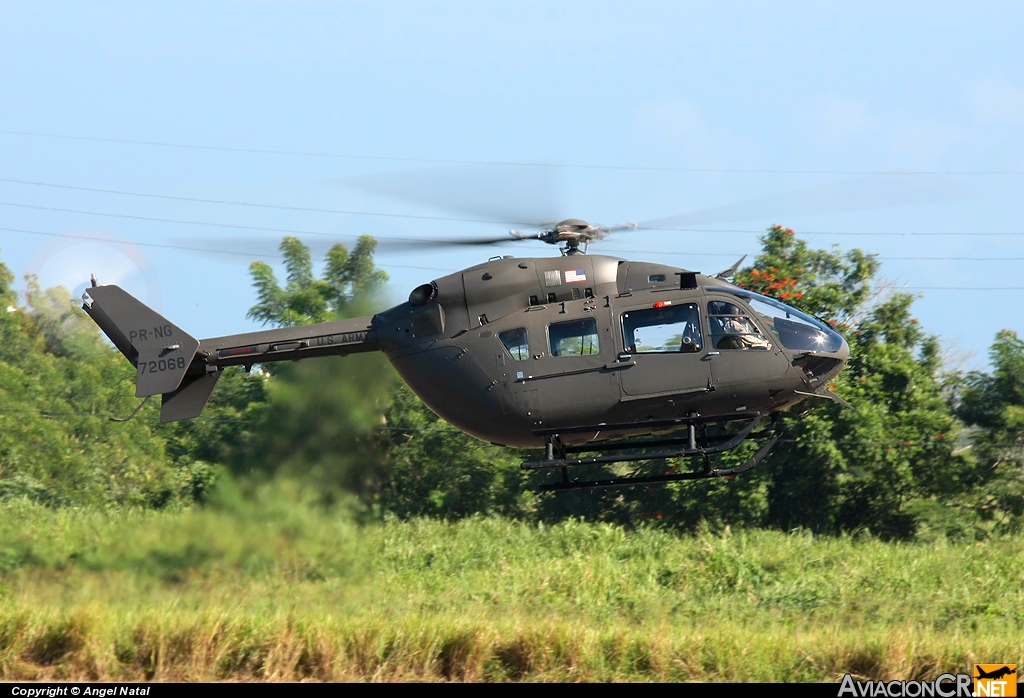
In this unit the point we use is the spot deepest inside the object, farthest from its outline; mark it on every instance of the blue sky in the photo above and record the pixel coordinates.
(686, 107)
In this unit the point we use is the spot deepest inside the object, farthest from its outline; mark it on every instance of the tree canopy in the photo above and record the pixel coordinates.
(60, 384)
(305, 299)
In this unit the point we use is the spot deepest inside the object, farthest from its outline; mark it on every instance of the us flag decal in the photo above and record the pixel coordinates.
(574, 275)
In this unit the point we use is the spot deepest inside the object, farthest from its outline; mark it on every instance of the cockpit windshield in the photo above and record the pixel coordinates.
(796, 330)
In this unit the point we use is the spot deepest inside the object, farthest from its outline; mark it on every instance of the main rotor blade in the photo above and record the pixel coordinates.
(837, 197)
(523, 196)
(392, 244)
(247, 250)
(252, 249)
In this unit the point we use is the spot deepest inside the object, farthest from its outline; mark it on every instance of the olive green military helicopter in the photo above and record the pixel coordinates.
(596, 360)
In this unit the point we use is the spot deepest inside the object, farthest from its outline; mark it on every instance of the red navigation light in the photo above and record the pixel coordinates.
(661, 304)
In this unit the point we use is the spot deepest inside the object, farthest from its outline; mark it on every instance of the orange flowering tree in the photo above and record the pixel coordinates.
(887, 464)
(825, 283)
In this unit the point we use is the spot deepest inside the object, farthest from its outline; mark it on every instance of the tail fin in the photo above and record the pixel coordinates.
(161, 351)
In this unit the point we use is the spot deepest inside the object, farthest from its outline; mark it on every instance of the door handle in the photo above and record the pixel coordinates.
(619, 365)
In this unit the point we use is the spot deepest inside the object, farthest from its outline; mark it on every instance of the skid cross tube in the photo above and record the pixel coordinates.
(689, 449)
(654, 479)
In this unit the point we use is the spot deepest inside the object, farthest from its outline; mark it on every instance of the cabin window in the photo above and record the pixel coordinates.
(516, 343)
(574, 338)
(732, 328)
(660, 330)
(656, 278)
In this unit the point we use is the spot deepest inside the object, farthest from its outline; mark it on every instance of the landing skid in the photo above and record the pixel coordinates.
(557, 455)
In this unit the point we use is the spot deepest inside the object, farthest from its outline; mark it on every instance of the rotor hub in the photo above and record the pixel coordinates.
(571, 233)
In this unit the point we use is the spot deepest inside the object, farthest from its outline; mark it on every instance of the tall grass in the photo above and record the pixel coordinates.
(282, 591)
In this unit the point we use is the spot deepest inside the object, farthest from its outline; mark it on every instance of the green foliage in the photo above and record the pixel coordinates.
(433, 469)
(876, 467)
(319, 419)
(323, 417)
(228, 432)
(271, 587)
(306, 300)
(271, 529)
(824, 283)
(65, 328)
(872, 467)
(58, 386)
(994, 405)
(7, 294)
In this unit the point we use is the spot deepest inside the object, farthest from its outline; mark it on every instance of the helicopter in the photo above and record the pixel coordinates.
(595, 360)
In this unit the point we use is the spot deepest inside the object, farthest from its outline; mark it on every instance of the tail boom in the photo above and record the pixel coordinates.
(184, 370)
(336, 338)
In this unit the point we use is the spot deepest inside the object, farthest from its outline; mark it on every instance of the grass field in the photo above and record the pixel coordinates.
(280, 591)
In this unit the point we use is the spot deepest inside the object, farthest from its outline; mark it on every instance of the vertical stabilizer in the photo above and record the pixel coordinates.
(161, 351)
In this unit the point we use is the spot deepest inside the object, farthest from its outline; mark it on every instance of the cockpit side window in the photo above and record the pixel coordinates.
(574, 337)
(795, 330)
(732, 328)
(661, 330)
(516, 343)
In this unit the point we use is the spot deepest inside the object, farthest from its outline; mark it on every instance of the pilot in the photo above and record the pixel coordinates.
(740, 334)
(738, 325)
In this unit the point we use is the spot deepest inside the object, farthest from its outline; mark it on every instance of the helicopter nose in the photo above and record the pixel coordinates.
(843, 353)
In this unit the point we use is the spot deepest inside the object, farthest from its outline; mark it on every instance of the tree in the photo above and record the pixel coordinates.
(59, 385)
(876, 467)
(993, 403)
(319, 419)
(827, 284)
(305, 299)
(433, 469)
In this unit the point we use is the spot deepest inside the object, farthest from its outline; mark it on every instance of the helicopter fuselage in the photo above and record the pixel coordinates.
(513, 347)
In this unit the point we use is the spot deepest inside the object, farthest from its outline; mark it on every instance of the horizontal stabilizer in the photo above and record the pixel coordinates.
(161, 351)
